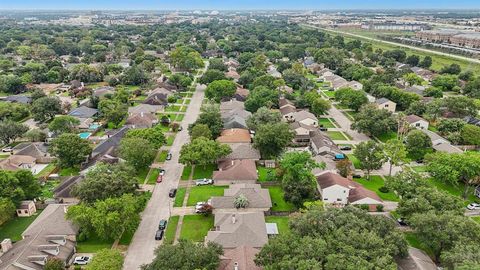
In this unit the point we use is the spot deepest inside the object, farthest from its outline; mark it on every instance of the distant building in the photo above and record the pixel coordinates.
(386, 104)
(26, 209)
(417, 121)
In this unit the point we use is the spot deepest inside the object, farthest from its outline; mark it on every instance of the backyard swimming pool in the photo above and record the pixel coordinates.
(94, 126)
(84, 135)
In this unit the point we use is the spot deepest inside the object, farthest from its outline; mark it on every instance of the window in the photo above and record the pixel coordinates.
(339, 200)
(386, 105)
(325, 199)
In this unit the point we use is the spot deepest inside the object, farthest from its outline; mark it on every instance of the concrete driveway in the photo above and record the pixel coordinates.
(141, 249)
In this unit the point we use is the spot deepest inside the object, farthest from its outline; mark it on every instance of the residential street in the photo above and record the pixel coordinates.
(345, 124)
(141, 249)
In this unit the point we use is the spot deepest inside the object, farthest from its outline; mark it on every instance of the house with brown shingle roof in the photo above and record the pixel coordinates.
(258, 199)
(142, 120)
(417, 121)
(232, 230)
(235, 172)
(18, 162)
(241, 94)
(235, 135)
(341, 191)
(242, 151)
(226, 106)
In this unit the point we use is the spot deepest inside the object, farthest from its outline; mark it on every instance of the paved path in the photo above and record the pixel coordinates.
(345, 124)
(141, 249)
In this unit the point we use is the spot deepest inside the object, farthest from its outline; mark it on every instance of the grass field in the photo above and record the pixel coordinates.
(94, 244)
(187, 170)
(387, 136)
(413, 241)
(454, 190)
(374, 184)
(265, 174)
(326, 122)
(196, 227)
(203, 193)
(162, 156)
(336, 135)
(200, 172)
(282, 223)
(180, 117)
(171, 230)
(179, 197)
(69, 171)
(14, 228)
(170, 140)
(356, 163)
(172, 108)
(141, 175)
(279, 204)
(152, 177)
(126, 238)
(47, 170)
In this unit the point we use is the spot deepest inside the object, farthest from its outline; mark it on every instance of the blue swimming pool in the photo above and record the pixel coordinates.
(94, 126)
(84, 135)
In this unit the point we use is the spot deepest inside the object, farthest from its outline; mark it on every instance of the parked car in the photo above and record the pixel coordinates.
(356, 176)
(169, 156)
(82, 260)
(201, 207)
(402, 222)
(162, 172)
(162, 224)
(180, 128)
(473, 206)
(172, 193)
(159, 235)
(204, 181)
(345, 148)
(7, 149)
(323, 129)
(159, 178)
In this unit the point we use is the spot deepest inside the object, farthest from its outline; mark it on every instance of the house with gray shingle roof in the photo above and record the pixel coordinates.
(83, 112)
(258, 199)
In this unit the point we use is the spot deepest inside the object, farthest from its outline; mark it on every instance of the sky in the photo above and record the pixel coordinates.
(237, 4)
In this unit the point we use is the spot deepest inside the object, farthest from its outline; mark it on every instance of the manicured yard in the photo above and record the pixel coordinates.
(170, 140)
(187, 170)
(476, 219)
(14, 228)
(141, 175)
(183, 109)
(374, 184)
(152, 177)
(420, 168)
(454, 190)
(279, 204)
(196, 227)
(356, 163)
(126, 238)
(48, 187)
(172, 108)
(326, 122)
(162, 156)
(413, 241)
(179, 117)
(336, 135)
(94, 244)
(187, 101)
(203, 193)
(69, 171)
(266, 174)
(282, 223)
(171, 230)
(330, 94)
(201, 172)
(387, 136)
(179, 197)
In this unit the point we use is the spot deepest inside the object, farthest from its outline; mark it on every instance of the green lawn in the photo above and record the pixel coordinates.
(172, 108)
(387, 136)
(152, 178)
(14, 228)
(266, 174)
(279, 204)
(94, 244)
(326, 122)
(476, 219)
(180, 117)
(203, 193)
(47, 170)
(47, 189)
(171, 230)
(187, 101)
(196, 227)
(201, 172)
(454, 190)
(170, 140)
(69, 171)
(141, 175)
(126, 238)
(330, 94)
(356, 163)
(336, 135)
(184, 108)
(413, 241)
(162, 156)
(282, 223)
(374, 184)
(419, 169)
(179, 197)
(187, 170)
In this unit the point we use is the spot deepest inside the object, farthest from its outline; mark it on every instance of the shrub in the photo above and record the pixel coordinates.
(384, 189)
(380, 208)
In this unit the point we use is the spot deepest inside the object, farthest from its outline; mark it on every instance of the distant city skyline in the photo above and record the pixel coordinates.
(235, 5)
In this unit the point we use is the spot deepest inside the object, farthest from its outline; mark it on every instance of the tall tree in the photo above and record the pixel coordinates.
(417, 144)
(210, 116)
(272, 139)
(202, 151)
(10, 130)
(63, 124)
(138, 152)
(153, 135)
(218, 90)
(106, 259)
(113, 111)
(373, 121)
(395, 153)
(263, 116)
(371, 156)
(70, 150)
(45, 108)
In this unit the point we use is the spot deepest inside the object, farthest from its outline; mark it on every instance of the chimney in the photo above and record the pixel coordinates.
(234, 219)
(235, 266)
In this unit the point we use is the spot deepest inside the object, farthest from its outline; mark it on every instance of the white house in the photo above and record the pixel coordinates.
(417, 122)
(306, 118)
(386, 104)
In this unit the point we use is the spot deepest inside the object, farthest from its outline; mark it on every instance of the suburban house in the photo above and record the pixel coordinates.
(423, 73)
(386, 104)
(306, 118)
(272, 71)
(320, 144)
(235, 172)
(18, 162)
(235, 121)
(441, 144)
(227, 106)
(302, 133)
(158, 96)
(417, 122)
(242, 151)
(26, 209)
(341, 191)
(50, 235)
(232, 73)
(62, 191)
(18, 99)
(235, 135)
(37, 150)
(103, 91)
(241, 94)
(287, 109)
(84, 112)
(232, 230)
(355, 85)
(472, 120)
(258, 199)
(142, 120)
(110, 145)
(145, 108)
(239, 258)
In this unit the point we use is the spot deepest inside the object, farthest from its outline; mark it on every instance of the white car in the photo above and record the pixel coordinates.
(199, 205)
(204, 181)
(7, 149)
(162, 172)
(82, 260)
(473, 206)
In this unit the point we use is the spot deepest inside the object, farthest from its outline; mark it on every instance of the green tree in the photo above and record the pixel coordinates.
(320, 106)
(11, 84)
(106, 259)
(113, 111)
(412, 79)
(186, 58)
(153, 135)
(263, 116)
(272, 139)
(353, 99)
(44, 109)
(210, 116)
(371, 156)
(138, 152)
(472, 88)
(19, 185)
(395, 153)
(331, 57)
(426, 62)
(298, 181)
(106, 181)
(460, 106)
(407, 184)
(202, 151)
(217, 90)
(63, 124)
(417, 144)
(86, 73)
(54, 263)
(261, 97)
(446, 82)
(70, 150)
(471, 134)
(7, 210)
(186, 255)
(10, 130)
(212, 75)
(200, 130)
(373, 121)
